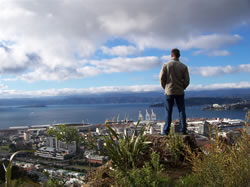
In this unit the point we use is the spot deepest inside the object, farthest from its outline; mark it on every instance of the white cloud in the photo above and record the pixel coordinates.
(120, 22)
(92, 68)
(9, 79)
(14, 60)
(213, 52)
(122, 50)
(219, 86)
(208, 71)
(7, 93)
(62, 33)
(3, 86)
(60, 74)
(166, 58)
(219, 53)
(244, 68)
(212, 41)
(126, 64)
(80, 91)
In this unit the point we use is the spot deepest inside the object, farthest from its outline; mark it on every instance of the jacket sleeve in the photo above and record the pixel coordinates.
(186, 78)
(163, 76)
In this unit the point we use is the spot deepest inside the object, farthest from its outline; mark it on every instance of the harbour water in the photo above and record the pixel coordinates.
(96, 113)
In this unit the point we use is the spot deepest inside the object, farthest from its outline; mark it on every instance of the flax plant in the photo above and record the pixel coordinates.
(125, 151)
(8, 173)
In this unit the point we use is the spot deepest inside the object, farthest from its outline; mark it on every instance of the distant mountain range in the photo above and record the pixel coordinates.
(192, 98)
(191, 101)
(240, 92)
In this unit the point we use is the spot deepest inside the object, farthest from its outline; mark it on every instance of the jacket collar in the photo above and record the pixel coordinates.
(174, 60)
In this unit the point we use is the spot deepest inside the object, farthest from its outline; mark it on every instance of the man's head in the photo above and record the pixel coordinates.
(175, 53)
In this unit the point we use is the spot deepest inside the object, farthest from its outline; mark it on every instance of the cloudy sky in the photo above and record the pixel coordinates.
(62, 47)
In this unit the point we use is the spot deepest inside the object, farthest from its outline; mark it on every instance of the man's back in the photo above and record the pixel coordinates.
(174, 77)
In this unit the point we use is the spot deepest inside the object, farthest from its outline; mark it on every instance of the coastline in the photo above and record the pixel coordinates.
(97, 114)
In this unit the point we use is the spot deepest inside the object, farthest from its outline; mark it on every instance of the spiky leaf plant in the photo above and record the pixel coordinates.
(8, 173)
(125, 151)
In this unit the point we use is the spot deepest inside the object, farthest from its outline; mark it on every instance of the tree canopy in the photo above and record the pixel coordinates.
(65, 134)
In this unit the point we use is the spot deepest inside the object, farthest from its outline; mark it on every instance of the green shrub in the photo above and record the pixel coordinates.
(150, 175)
(175, 147)
(221, 165)
(54, 182)
(132, 162)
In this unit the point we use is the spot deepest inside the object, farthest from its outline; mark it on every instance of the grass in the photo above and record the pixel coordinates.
(222, 164)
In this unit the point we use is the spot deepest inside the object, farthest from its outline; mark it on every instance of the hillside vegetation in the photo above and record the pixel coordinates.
(174, 160)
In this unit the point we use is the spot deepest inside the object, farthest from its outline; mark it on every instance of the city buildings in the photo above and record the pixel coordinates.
(49, 147)
(56, 149)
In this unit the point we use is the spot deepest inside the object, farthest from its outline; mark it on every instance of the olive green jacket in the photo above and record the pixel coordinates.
(174, 77)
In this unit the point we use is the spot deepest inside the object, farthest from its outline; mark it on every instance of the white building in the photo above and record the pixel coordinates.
(154, 128)
(56, 149)
(216, 106)
(52, 142)
(20, 130)
(101, 131)
(199, 127)
(234, 122)
(37, 131)
(26, 136)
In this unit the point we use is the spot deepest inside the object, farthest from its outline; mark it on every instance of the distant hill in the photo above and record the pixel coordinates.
(241, 93)
(193, 98)
(205, 101)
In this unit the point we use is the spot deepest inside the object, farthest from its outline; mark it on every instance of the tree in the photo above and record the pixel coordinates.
(66, 134)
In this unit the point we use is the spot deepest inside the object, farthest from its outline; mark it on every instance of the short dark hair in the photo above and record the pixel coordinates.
(176, 52)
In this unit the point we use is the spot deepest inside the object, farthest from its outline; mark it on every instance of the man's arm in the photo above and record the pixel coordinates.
(186, 78)
(163, 76)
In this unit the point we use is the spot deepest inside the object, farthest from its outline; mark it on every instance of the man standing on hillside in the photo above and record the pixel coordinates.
(174, 79)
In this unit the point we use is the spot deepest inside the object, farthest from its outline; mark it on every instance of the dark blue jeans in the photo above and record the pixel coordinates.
(169, 103)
